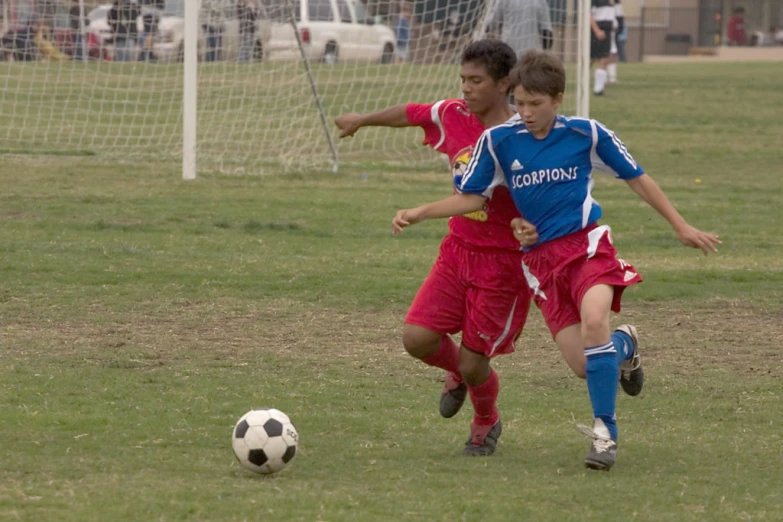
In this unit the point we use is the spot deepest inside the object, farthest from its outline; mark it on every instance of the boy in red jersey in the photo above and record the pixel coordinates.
(476, 285)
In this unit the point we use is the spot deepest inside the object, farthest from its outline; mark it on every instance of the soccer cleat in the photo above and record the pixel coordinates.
(599, 93)
(483, 440)
(603, 450)
(453, 396)
(631, 372)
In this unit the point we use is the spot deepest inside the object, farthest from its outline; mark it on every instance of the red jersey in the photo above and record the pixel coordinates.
(735, 30)
(450, 128)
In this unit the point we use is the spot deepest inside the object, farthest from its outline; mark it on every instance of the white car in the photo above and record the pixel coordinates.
(330, 30)
(168, 44)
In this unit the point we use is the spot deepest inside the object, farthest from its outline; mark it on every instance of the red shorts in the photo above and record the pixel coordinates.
(561, 272)
(480, 292)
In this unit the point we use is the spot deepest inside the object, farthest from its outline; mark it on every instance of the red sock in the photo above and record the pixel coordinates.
(484, 398)
(447, 356)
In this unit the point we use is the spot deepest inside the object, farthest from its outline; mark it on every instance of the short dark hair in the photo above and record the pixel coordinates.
(539, 72)
(739, 10)
(497, 57)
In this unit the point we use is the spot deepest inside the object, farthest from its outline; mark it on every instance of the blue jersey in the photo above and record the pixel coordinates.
(551, 180)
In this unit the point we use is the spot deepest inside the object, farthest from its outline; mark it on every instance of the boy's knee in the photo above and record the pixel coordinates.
(420, 342)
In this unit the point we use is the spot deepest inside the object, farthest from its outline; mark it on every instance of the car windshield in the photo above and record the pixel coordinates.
(361, 12)
(277, 10)
(175, 7)
(98, 13)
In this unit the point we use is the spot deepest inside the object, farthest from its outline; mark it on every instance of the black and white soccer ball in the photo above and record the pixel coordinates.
(265, 441)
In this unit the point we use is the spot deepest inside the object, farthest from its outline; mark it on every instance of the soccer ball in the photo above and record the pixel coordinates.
(265, 441)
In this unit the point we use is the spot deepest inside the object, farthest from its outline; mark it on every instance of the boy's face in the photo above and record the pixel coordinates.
(481, 92)
(536, 110)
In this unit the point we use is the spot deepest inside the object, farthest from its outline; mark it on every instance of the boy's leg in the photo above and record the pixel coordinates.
(626, 342)
(437, 311)
(572, 348)
(497, 305)
(602, 373)
(483, 388)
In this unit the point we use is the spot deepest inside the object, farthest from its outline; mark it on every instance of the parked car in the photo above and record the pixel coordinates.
(168, 44)
(330, 30)
(170, 41)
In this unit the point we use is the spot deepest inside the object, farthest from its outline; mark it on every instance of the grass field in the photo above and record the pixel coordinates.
(141, 315)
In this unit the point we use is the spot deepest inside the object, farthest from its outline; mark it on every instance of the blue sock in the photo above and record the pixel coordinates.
(624, 345)
(603, 373)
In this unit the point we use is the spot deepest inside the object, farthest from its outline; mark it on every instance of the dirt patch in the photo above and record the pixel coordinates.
(723, 334)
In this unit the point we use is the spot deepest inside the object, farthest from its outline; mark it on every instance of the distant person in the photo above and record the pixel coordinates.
(735, 29)
(402, 31)
(149, 22)
(617, 26)
(74, 18)
(213, 17)
(622, 38)
(47, 51)
(246, 15)
(771, 38)
(123, 18)
(451, 29)
(524, 24)
(602, 19)
(18, 44)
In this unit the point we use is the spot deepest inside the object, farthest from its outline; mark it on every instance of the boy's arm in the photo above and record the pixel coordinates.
(351, 122)
(652, 194)
(455, 205)
(615, 156)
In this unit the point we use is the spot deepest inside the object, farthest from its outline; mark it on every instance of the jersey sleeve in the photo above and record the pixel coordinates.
(483, 172)
(429, 118)
(610, 155)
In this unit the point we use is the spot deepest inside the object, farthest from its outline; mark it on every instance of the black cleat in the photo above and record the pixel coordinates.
(453, 396)
(631, 372)
(603, 450)
(483, 440)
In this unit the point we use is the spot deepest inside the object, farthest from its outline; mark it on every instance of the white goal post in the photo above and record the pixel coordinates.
(244, 86)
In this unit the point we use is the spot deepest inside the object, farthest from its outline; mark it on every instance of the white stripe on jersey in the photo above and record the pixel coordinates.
(595, 159)
(587, 204)
(435, 117)
(619, 144)
(471, 167)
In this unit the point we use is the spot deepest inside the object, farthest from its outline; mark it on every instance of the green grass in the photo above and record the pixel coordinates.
(141, 315)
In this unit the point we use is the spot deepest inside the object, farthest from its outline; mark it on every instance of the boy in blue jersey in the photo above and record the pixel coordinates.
(547, 162)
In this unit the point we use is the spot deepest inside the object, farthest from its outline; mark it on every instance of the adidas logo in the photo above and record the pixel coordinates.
(629, 275)
(516, 165)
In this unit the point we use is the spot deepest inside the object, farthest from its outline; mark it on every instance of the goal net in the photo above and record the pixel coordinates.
(78, 77)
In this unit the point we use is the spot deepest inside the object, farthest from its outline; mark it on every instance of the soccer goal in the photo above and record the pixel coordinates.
(244, 86)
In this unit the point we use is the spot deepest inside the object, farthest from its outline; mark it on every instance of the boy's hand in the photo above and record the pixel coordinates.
(524, 231)
(404, 218)
(693, 237)
(348, 123)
